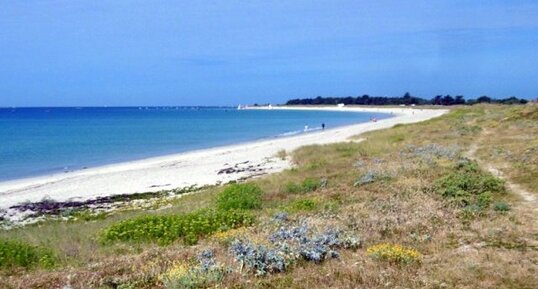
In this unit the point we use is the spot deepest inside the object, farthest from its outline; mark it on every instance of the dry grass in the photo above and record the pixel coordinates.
(460, 248)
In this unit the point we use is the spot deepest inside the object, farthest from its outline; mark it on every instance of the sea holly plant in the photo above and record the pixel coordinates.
(371, 176)
(291, 243)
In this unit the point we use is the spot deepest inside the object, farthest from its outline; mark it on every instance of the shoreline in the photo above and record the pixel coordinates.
(203, 167)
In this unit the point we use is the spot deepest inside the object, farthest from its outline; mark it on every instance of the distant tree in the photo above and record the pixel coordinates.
(437, 100)
(459, 99)
(483, 99)
(406, 99)
(447, 100)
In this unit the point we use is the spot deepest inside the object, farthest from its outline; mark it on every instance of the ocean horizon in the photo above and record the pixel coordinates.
(39, 141)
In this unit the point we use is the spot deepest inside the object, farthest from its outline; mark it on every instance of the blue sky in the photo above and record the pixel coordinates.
(76, 53)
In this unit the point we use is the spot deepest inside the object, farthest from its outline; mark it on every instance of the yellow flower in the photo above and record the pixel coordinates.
(394, 253)
(177, 271)
(230, 235)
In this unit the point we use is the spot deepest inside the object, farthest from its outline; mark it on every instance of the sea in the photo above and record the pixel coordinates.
(47, 140)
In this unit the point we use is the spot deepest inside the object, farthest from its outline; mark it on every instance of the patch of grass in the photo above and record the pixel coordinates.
(468, 185)
(19, 254)
(166, 229)
(240, 197)
(396, 138)
(371, 176)
(304, 205)
(310, 185)
(306, 186)
(501, 207)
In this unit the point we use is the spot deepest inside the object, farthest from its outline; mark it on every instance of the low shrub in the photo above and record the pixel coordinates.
(19, 254)
(501, 207)
(293, 188)
(394, 253)
(240, 196)
(310, 185)
(301, 242)
(166, 229)
(258, 258)
(371, 176)
(430, 152)
(289, 244)
(468, 185)
(306, 186)
(302, 205)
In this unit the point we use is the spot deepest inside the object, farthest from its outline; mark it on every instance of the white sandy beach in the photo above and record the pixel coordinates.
(198, 168)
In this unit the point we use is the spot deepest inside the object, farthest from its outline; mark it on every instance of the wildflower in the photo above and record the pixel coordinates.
(394, 253)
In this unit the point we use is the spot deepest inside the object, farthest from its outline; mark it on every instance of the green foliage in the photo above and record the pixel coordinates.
(501, 207)
(396, 138)
(293, 188)
(302, 205)
(240, 196)
(468, 185)
(310, 185)
(316, 164)
(166, 229)
(19, 254)
(306, 186)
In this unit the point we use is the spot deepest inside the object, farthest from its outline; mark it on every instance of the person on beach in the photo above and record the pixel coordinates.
(322, 126)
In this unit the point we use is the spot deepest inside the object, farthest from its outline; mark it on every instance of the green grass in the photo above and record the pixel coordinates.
(302, 205)
(306, 186)
(240, 197)
(468, 185)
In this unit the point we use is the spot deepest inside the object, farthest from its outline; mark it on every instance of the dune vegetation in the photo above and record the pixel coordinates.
(446, 203)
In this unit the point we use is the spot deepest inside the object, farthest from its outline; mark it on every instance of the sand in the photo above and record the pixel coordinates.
(203, 167)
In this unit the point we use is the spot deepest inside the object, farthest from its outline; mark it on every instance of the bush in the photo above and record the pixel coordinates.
(306, 186)
(501, 207)
(240, 196)
(310, 185)
(371, 176)
(19, 254)
(293, 188)
(258, 258)
(394, 253)
(166, 229)
(289, 244)
(302, 205)
(468, 185)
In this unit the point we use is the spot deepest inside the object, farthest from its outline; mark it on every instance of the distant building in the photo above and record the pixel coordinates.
(340, 105)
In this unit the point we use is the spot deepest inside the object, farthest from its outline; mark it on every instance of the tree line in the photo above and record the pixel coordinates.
(406, 99)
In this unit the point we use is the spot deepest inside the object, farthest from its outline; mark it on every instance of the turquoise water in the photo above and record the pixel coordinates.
(38, 141)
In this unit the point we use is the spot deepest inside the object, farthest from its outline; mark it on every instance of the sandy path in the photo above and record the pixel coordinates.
(203, 167)
(529, 204)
